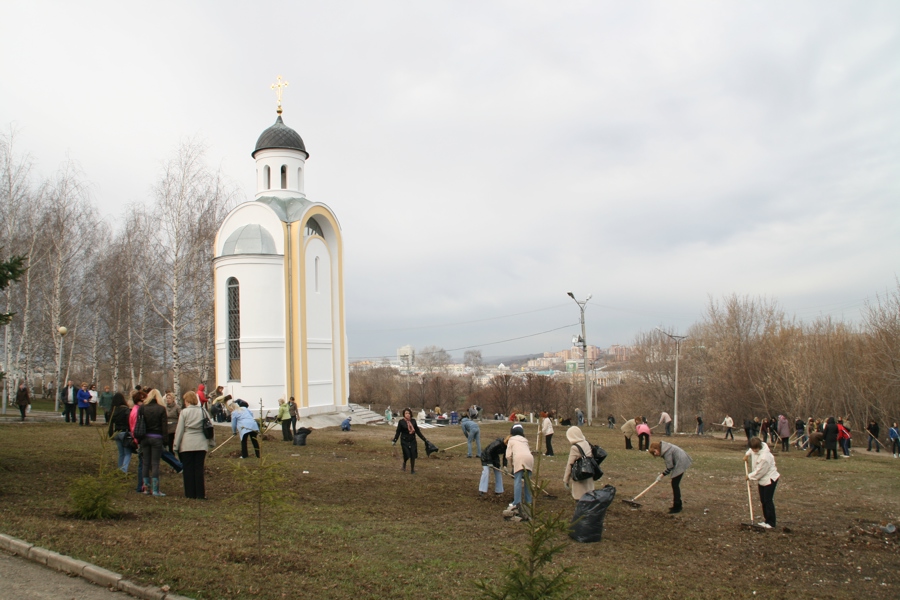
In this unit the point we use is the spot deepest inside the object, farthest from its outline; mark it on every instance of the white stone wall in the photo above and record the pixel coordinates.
(261, 279)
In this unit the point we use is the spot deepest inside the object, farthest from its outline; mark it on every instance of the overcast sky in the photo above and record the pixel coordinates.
(484, 158)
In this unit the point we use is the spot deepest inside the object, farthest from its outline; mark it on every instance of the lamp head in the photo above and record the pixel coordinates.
(571, 295)
(589, 297)
(62, 331)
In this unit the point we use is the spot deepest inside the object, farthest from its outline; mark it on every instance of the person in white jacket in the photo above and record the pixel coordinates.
(728, 424)
(518, 454)
(547, 431)
(765, 475)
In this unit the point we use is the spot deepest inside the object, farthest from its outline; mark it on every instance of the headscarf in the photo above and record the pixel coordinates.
(409, 424)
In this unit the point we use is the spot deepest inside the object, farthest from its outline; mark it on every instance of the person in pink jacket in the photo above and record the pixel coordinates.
(643, 431)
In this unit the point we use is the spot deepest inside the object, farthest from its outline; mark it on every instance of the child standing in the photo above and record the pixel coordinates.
(766, 476)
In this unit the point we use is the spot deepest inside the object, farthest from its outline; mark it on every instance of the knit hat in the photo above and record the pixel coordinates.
(517, 430)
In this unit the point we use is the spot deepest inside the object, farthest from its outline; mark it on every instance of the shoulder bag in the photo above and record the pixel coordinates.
(209, 429)
(585, 467)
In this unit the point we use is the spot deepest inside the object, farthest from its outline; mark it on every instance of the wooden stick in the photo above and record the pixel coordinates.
(875, 438)
(655, 481)
(749, 496)
(222, 444)
(456, 446)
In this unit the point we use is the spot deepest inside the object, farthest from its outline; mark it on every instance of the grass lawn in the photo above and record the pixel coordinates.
(356, 526)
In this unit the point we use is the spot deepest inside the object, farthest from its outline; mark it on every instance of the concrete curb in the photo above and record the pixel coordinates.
(93, 573)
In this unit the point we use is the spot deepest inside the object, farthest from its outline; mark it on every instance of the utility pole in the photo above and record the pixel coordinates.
(589, 404)
(678, 339)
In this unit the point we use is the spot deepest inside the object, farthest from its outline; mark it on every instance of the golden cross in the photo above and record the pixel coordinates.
(279, 89)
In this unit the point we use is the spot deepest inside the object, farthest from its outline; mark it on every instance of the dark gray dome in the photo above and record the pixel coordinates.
(280, 135)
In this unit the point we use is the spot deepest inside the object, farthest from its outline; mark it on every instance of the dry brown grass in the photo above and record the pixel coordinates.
(358, 526)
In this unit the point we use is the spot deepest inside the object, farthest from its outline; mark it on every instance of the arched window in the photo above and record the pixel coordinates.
(234, 329)
(284, 177)
(312, 228)
(317, 274)
(267, 176)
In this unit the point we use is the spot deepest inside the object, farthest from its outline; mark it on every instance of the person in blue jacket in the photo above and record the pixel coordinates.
(243, 424)
(345, 424)
(472, 432)
(894, 436)
(84, 405)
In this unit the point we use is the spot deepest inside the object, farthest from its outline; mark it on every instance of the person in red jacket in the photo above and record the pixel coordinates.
(844, 438)
(201, 395)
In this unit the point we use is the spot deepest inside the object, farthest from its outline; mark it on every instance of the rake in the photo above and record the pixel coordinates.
(752, 525)
(632, 502)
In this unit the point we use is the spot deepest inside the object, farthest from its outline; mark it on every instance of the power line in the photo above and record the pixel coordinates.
(527, 312)
(521, 337)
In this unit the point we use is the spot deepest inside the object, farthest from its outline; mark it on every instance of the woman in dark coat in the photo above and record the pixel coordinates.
(118, 427)
(23, 399)
(831, 438)
(407, 430)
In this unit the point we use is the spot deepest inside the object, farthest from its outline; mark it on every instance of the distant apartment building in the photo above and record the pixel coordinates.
(406, 355)
(619, 353)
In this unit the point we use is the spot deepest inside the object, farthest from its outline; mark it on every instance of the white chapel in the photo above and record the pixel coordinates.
(279, 288)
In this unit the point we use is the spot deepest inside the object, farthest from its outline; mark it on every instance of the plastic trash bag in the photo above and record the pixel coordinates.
(590, 511)
(430, 448)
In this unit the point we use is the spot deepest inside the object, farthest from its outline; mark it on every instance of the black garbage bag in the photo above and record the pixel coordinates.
(590, 511)
(300, 436)
(430, 448)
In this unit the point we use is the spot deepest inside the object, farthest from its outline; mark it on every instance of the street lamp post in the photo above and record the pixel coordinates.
(62, 338)
(678, 339)
(587, 392)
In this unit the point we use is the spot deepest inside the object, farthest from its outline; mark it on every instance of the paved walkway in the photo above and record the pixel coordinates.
(25, 580)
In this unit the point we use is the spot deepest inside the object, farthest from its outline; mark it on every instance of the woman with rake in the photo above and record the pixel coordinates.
(407, 430)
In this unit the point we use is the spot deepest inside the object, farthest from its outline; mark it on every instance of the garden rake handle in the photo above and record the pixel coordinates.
(749, 496)
(645, 491)
(456, 446)
(222, 444)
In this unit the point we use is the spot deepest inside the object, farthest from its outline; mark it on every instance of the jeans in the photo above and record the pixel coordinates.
(485, 479)
(474, 436)
(22, 409)
(549, 439)
(845, 447)
(522, 481)
(124, 453)
(628, 442)
(871, 441)
(729, 433)
(669, 428)
(151, 452)
(580, 420)
(699, 428)
(767, 498)
(84, 414)
(69, 411)
(286, 435)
